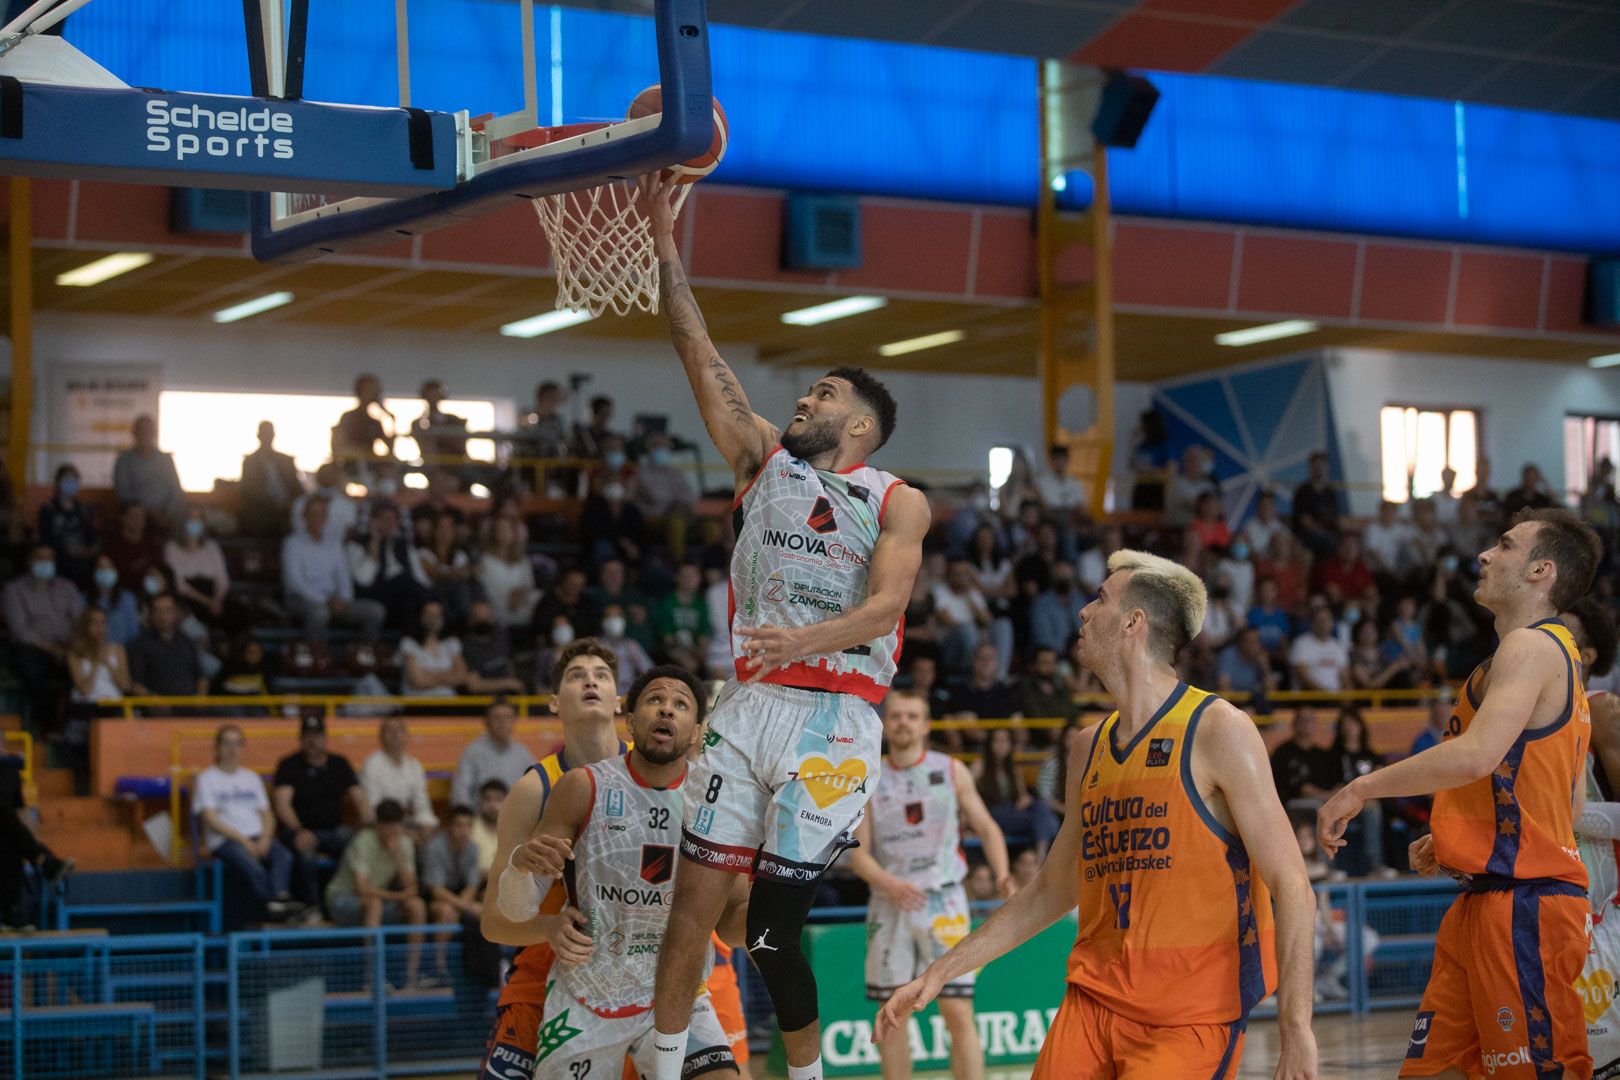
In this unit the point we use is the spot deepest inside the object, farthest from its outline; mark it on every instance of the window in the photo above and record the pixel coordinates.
(209, 433)
(1587, 441)
(1418, 443)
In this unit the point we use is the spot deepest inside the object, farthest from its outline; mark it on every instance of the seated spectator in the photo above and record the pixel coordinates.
(1354, 758)
(238, 828)
(454, 883)
(717, 598)
(507, 575)
(1023, 533)
(681, 620)
(98, 667)
(545, 432)
(1389, 544)
(449, 568)
(342, 512)
(41, 610)
(318, 585)
(1316, 508)
(1375, 666)
(133, 550)
(1001, 786)
(146, 476)
(1222, 618)
(985, 695)
(1269, 619)
(1190, 481)
(1468, 535)
(1406, 632)
(1209, 522)
(494, 755)
(1059, 490)
(243, 671)
(566, 602)
(610, 526)
(633, 659)
(433, 664)
(1344, 574)
(486, 648)
(974, 512)
(1533, 493)
(922, 678)
(491, 794)
(993, 574)
(387, 568)
(391, 773)
(1054, 617)
(375, 884)
(360, 442)
(68, 526)
(162, 661)
(1259, 531)
(980, 884)
(1319, 660)
(1235, 566)
(197, 566)
(307, 794)
(116, 602)
(1304, 771)
(1052, 783)
(964, 618)
(1026, 865)
(664, 494)
(1288, 563)
(1044, 693)
(1436, 718)
(270, 483)
(1149, 461)
(1244, 667)
(1429, 537)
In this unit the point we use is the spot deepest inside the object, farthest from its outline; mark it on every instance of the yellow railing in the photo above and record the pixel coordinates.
(22, 743)
(329, 704)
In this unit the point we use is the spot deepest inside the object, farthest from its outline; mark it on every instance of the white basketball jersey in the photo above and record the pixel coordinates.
(623, 875)
(916, 829)
(1602, 867)
(803, 555)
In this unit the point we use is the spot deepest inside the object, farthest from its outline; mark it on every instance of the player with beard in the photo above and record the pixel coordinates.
(585, 697)
(827, 550)
(620, 818)
(1507, 780)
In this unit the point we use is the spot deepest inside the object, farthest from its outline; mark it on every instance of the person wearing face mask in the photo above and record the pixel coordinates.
(664, 494)
(487, 650)
(433, 664)
(1054, 617)
(633, 659)
(40, 610)
(1237, 568)
(119, 604)
(69, 527)
(198, 567)
(611, 526)
(270, 483)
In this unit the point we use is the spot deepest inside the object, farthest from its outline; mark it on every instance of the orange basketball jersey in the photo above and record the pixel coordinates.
(1518, 822)
(1175, 928)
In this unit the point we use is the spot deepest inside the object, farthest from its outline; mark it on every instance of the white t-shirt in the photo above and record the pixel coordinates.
(1260, 534)
(1060, 492)
(1325, 661)
(439, 660)
(959, 608)
(1389, 544)
(501, 580)
(718, 660)
(237, 797)
(405, 783)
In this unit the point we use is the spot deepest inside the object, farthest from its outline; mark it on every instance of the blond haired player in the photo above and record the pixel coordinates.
(1173, 846)
(910, 854)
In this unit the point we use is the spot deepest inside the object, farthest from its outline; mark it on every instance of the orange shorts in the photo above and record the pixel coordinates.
(1088, 1042)
(1501, 999)
(513, 1042)
(726, 997)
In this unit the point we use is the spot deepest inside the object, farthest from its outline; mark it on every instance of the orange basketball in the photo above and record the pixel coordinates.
(650, 101)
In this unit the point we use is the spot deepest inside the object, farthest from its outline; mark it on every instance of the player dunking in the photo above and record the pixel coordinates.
(827, 549)
(1173, 847)
(1508, 785)
(911, 856)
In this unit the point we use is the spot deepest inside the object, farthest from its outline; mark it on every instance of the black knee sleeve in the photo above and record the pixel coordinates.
(776, 915)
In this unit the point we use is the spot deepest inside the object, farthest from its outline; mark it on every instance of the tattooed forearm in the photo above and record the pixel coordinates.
(730, 393)
(680, 306)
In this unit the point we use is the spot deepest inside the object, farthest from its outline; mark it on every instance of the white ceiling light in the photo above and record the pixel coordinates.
(1254, 335)
(110, 266)
(1611, 360)
(536, 325)
(256, 306)
(917, 344)
(837, 309)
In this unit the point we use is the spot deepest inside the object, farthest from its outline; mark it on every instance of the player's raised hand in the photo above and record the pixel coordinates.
(769, 648)
(543, 856)
(1298, 1058)
(653, 194)
(1421, 854)
(910, 998)
(1335, 816)
(566, 933)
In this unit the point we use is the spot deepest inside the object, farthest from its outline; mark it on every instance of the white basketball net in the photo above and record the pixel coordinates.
(602, 248)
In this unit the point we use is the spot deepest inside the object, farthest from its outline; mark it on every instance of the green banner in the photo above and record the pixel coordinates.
(1016, 998)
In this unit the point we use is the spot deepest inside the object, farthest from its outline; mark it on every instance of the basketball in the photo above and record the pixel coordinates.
(651, 101)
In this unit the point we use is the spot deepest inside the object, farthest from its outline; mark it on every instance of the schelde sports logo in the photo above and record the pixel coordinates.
(243, 133)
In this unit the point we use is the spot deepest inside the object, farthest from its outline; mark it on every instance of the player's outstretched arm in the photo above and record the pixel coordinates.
(1054, 892)
(1528, 665)
(742, 438)
(517, 825)
(977, 815)
(1229, 747)
(895, 559)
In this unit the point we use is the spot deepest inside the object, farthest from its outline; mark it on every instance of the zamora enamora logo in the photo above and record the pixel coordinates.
(245, 132)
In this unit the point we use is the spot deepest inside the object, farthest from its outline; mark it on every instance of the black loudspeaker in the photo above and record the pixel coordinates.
(1603, 290)
(821, 232)
(1127, 102)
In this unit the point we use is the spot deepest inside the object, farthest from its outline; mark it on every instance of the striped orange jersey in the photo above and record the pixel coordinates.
(1175, 927)
(1518, 822)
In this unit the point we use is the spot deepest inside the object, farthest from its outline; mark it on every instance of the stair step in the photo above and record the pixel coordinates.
(100, 849)
(85, 810)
